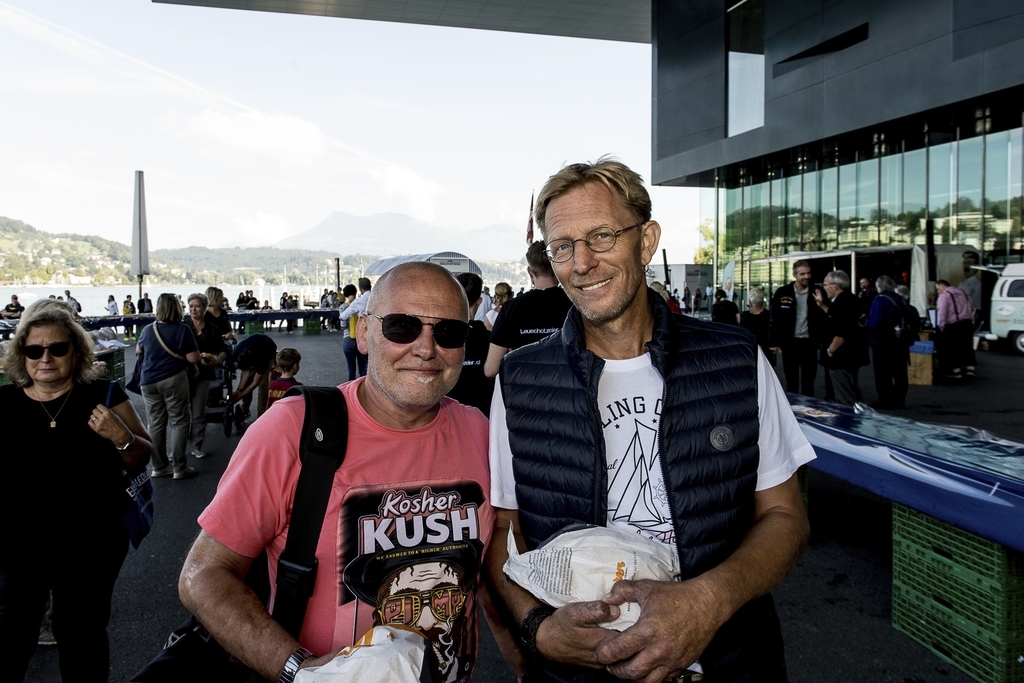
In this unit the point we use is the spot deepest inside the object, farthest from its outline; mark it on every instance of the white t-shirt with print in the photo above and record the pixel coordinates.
(629, 398)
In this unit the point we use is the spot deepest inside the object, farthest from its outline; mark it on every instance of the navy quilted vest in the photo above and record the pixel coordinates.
(710, 373)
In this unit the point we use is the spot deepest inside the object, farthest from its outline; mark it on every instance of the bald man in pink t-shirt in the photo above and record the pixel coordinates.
(408, 519)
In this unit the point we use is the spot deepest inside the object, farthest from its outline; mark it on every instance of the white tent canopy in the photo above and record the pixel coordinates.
(948, 264)
(452, 260)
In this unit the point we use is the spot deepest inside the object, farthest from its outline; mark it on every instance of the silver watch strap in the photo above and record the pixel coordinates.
(291, 667)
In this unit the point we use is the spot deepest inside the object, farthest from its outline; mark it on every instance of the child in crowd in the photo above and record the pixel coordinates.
(288, 364)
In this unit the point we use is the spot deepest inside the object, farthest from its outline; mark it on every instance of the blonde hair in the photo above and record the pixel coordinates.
(44, 313)
(622, 181)
(660, 289)
(502, 293)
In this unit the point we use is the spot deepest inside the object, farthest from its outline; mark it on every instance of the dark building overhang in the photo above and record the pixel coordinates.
(619, 20)
(829, 69)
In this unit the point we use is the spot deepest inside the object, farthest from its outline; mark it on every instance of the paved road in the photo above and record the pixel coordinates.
(834, 607)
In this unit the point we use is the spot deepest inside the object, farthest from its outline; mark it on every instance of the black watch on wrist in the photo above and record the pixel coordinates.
(529, 627)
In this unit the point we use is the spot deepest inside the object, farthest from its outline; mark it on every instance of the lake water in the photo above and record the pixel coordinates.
(94, 299)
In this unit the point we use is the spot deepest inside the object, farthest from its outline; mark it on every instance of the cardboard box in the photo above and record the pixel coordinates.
(920, 371)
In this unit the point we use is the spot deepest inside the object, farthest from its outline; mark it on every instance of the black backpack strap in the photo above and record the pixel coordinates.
(321, 450)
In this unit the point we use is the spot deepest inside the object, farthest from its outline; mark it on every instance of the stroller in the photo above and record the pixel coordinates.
(217, 407)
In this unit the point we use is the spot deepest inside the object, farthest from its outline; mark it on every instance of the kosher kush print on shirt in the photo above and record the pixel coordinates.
(414, 552)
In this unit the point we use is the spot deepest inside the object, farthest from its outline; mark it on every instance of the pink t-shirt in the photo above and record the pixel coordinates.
(406, 527)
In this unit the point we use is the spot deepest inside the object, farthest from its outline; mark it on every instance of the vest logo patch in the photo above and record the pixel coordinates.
(721, 438)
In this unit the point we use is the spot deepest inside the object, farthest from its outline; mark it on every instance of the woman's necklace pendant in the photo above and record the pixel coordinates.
(53, 424)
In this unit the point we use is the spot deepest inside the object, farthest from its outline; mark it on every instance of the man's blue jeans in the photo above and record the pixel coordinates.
(356, 361)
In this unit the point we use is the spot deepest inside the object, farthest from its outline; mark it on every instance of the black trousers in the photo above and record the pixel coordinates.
(955, 347)
(82, 580)
(800, 364)
(890, 366)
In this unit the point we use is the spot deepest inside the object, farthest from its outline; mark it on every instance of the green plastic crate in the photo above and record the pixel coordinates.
(998, 605)
(115, 365)
(984, 656)
(962, 548)
(254, 327)
(311, 326)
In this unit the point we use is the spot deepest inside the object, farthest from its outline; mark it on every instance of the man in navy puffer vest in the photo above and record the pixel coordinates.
(670, 427)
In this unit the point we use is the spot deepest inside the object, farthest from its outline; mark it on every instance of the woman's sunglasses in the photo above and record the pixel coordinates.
(405, 329)
(58, 350)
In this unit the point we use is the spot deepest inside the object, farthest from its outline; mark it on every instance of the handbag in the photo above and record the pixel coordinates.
(191, 653)
(193, 369)
(137, 514)
(134, 384)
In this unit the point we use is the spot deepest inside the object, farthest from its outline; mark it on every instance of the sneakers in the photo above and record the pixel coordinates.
(199, 453)
(186, 473)
(162, 472)
(46, 635)
(971, 372)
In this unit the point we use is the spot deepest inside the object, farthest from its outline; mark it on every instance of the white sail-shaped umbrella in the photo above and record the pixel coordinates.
(140, 238)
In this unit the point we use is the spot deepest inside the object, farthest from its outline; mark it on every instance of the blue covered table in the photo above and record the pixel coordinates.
(973, 481)
(958, 528)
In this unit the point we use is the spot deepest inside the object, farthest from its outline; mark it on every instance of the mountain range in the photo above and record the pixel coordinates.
(391, 234)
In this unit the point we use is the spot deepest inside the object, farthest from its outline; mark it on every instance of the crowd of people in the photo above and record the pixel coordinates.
(471, 416)
(842, 330)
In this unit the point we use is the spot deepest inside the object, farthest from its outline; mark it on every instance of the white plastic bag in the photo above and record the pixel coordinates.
(385, 654)
(582, 565)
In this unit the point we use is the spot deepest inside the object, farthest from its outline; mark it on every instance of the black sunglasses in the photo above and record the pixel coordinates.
(405, 329)
(58, 350)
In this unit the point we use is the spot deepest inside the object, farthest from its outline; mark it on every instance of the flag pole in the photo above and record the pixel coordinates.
(529, 223)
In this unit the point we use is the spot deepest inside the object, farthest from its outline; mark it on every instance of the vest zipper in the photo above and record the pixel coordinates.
(664, 468)
(600, 517)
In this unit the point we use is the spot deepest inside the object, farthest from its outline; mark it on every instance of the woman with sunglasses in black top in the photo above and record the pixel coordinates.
(60, 495)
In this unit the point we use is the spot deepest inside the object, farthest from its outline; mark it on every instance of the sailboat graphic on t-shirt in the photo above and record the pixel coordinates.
(637, 484)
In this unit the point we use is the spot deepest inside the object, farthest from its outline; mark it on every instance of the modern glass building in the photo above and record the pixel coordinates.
(954, 173)
(876, 136)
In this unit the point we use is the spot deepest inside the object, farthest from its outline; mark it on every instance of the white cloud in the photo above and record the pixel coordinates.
(253, 135)
(92, 52)
(418, 194)
(262, 228)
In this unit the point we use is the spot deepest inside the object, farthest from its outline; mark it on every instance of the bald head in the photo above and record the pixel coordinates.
(416, 275)
(406, 378)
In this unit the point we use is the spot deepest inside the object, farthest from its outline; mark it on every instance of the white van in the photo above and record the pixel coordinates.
(1006, 319)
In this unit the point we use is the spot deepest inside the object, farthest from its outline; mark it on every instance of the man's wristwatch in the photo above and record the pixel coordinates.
(291, 667)
(528, 629)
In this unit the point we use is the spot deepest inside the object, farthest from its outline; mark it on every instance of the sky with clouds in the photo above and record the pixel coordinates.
(252, 126)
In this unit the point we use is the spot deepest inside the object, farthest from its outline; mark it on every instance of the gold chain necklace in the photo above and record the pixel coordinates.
(53, 418)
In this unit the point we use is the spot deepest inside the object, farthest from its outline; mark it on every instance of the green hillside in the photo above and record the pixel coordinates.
(31, 255)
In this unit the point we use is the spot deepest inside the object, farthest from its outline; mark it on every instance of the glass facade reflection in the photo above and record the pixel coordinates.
(869, 191)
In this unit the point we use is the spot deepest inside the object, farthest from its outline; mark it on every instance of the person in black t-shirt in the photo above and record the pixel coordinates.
(756, 320)
(474, 388)
(62, 496)
(531, 316)
(255, 356)
(12, 310)
(724, 311)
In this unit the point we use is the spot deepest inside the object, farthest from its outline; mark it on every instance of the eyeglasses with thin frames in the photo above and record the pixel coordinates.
(597, 240)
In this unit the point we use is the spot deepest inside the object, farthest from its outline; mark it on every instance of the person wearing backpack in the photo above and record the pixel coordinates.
(892, 328)
(405, 526)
